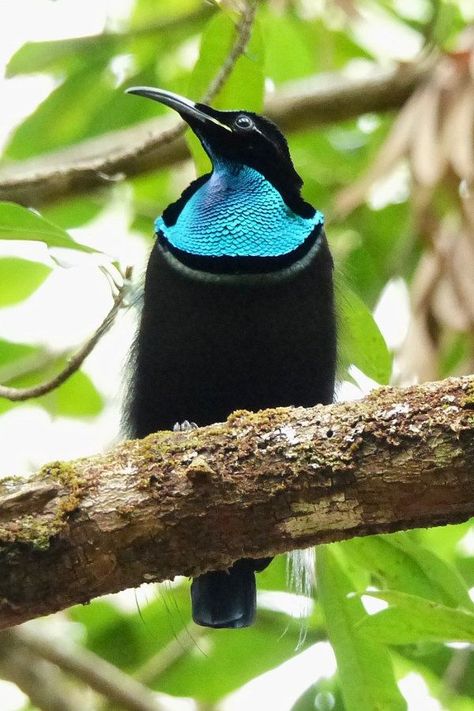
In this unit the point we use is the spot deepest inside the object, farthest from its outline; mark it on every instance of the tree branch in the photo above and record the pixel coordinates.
(124, 691)
(41, 681)
(109, 161)
(81, 45)
(158, 143)
(260, 484)
(243, 32)
(75, 361)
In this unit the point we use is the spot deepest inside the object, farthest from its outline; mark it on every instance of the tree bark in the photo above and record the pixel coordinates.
(257, 485)
(154, 144)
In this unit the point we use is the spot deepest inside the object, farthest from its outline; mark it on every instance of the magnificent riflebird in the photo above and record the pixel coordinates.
(238, 309)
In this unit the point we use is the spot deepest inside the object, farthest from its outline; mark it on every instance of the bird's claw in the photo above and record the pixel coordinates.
(185, 426)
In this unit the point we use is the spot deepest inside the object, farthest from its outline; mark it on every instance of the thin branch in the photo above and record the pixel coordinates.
(79, 45)
(158, 143)
(105, 678)
(171, 135)
(186, 640)
(75, 361)
(455, 673)
(243, 32)
(260, 484)
(42, 682)
(162, 27)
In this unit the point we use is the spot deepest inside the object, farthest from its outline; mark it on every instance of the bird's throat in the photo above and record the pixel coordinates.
(237, 213)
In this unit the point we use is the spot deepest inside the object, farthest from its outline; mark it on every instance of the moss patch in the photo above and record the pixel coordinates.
(38, 530)
(7, 482)
(468, 400)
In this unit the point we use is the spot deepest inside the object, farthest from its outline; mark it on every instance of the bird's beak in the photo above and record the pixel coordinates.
(186, 108)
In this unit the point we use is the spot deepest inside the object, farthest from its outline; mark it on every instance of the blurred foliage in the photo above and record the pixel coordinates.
(421, 578)
(364, 664)
(19, 279)
(18, 223)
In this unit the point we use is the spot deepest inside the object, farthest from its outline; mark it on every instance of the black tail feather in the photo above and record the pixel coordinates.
(226, 598)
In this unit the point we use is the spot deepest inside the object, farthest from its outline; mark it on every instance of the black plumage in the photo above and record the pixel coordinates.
(224, 330)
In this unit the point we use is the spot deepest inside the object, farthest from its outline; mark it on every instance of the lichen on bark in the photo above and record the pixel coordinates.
(259, 484)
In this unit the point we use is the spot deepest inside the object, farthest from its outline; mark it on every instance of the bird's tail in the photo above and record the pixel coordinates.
(301, 580)
(227, 598)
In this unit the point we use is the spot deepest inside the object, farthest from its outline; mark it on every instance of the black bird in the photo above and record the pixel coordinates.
(238, 306)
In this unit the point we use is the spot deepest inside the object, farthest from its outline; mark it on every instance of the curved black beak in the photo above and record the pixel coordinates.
(186, 108)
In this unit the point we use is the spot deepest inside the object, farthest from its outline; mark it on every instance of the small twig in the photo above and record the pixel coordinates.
(159, 663)
(428, 30)
(161, 27)
(455, 671)
(75, 362)
(41, 681)
(243, 32)
(150, 144)
(97, 673)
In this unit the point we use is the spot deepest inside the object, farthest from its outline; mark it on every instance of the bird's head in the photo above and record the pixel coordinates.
(239, 137)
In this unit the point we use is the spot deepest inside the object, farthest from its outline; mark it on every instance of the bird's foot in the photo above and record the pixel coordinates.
(185, 426)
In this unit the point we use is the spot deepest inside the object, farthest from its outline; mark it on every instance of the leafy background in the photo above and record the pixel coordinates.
(392, 622)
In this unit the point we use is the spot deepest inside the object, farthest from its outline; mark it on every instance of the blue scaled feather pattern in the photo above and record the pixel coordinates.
(238, 213)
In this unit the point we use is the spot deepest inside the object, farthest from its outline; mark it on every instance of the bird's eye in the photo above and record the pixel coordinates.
(243, 122)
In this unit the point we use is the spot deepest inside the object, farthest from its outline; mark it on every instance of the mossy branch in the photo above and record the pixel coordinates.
(257, 485)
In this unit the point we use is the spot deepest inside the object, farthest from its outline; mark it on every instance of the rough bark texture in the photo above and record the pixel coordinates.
(152, 144)
(260, 484)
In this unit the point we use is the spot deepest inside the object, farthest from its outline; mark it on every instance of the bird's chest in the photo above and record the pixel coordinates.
(237, 214)
(220, 345)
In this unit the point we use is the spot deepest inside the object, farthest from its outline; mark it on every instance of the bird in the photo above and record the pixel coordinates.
(238, 306)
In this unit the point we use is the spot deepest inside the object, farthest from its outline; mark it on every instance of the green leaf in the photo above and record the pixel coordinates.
(364, 665)
(224, 658)
(52, 55)
(115, 635)
(281, 33)
(76, 397)
(33, 57)
(15, 358)
(444, 540)
(243, 89)
(337, 48)
(128, 638)
(274, 577)
(453, 353)
(62, 54)
(411, 619)
(447, 25)
(74, 212)
(231, 659)
(410, 567)
(324, 695)
(63, 117)
(385, 238)
(360, 340)
(19, 279)
(12, 352)
(18, 223)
